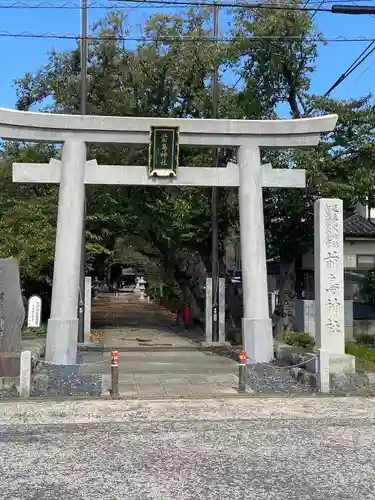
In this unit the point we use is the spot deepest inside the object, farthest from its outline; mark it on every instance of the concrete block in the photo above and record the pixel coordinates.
(25, 374)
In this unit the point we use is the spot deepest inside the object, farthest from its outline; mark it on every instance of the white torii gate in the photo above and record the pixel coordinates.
(75, 131)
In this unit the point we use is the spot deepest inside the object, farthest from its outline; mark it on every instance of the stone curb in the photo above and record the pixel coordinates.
(36, 355)
(288, 355)
(340, 382)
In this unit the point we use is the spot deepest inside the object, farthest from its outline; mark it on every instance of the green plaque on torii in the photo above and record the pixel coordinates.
(163, 151)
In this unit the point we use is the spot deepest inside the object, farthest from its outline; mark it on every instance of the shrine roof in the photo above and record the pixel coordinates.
(357, 226)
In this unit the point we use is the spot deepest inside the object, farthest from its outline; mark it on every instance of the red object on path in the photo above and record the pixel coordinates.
(186, 315)
(115, 290)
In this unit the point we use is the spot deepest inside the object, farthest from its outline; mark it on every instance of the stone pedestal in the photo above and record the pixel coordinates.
(341, 363)
(329, 284)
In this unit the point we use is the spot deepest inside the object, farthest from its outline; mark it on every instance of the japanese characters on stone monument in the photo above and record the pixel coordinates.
(329, 280)
(73, 172)
(34, 312)
(329, 269)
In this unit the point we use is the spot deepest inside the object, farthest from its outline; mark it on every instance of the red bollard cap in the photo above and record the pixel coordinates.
(242, 357)
(115, 356)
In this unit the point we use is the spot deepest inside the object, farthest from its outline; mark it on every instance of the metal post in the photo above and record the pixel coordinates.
(242, 372)
(215, 236)
(81, 305)
(114, 375)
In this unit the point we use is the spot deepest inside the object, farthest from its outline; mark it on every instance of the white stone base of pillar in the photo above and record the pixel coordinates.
(322, 370)
(257, 339)
(341, 363)
(61, 347)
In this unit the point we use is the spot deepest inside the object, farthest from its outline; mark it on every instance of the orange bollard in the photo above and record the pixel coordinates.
(242, 372)
(114, 375)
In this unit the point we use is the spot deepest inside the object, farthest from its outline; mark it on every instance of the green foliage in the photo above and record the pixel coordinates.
(300, 339)
(362, 352)
(35, 332)
(168, 295)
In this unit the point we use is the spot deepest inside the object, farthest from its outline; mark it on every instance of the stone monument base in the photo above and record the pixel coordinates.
(341, 363)
(10, 364)
(257, 339)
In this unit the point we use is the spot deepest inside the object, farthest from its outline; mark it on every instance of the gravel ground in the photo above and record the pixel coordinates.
(11, 393)
(262, 449)
(264, 377)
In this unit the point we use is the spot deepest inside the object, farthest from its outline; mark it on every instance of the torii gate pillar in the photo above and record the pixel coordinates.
(63, 323)
(257, 335)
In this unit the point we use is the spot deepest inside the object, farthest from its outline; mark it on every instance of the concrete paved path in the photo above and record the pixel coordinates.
(254, 449)
(155, 359)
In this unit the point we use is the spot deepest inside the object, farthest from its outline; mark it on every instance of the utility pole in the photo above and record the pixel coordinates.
(81, 305)
(215, 229)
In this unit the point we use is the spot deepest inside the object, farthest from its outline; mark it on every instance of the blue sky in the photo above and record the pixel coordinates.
(20, 55)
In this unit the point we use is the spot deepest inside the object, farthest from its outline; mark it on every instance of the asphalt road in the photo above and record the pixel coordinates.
(284, 449)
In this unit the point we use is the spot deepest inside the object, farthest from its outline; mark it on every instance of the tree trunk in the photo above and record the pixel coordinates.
(284, 313)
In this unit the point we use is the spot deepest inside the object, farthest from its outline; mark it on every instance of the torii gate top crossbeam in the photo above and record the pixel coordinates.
(57, 128)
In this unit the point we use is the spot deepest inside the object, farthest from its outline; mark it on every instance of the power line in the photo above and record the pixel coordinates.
(185, 3)
(354, 64)
(353, 67)
(120, 5)
(185, 39)
(319, 7)
(363, 72)
(74, 6)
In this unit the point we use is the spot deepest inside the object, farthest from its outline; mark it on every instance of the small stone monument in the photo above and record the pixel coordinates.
(34, 312)
(12, 317)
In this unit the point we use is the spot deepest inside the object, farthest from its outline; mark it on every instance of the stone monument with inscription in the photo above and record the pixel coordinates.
(12, 316)
(329, 284)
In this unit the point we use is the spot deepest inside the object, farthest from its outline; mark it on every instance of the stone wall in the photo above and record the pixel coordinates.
(305, 318)
(363, 327)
